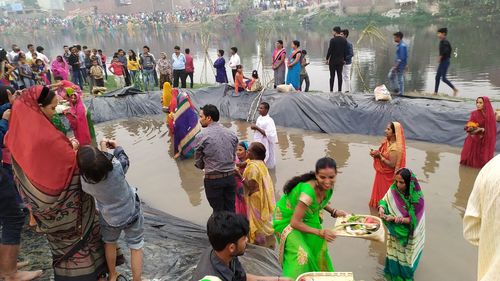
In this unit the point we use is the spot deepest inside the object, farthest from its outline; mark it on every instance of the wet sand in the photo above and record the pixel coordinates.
(176, 187)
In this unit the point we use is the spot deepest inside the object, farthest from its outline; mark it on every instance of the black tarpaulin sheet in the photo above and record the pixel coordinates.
(436, 121)
(173, 247)
(123, 103)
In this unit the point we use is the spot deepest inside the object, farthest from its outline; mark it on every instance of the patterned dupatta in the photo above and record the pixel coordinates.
(44, 153)
(409, 205)
(277, 55)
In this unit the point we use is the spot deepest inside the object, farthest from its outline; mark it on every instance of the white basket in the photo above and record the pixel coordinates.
(326, 276)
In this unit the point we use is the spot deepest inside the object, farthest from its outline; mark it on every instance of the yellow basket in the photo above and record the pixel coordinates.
(326, 276)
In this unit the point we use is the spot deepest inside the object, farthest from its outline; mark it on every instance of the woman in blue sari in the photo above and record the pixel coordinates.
(186, 126)
(293, 75)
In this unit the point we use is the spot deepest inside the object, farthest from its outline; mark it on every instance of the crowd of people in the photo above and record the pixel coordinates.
(89, 67)
(77, 194)
(106, 21)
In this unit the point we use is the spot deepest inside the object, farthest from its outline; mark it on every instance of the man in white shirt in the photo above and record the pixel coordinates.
(179, 67)
(12, 56)
(482, 219)
(45, 59)
(265, 133)
(234, 61)
(31, 53)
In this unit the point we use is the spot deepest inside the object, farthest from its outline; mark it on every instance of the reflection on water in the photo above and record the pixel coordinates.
(467, 177)
(431, 163)
(176, 187)
(339, 151)
(474, 70)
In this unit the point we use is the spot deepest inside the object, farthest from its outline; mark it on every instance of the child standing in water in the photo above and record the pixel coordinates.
(103, 177)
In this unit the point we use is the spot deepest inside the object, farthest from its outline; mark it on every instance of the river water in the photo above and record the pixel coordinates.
(475, 66)
(176, 187)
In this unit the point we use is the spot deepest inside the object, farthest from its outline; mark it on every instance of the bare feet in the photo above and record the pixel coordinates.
(22, 264)
(455, 92)
(177, 155)
(24, 275)
(435, 94)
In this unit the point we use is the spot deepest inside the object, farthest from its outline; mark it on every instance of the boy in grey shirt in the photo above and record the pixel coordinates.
(103, 177)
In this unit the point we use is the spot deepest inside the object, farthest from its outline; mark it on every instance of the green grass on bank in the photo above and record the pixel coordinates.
(111, 85)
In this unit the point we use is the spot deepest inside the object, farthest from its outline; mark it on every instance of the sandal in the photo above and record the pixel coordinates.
(121, 278)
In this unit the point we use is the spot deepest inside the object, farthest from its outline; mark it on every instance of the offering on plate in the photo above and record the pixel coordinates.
(360, 226)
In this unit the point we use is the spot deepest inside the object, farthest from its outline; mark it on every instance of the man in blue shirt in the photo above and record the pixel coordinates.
(396, 76)
(179, 67)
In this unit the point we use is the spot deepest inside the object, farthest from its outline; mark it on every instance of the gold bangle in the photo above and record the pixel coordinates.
(322, 233)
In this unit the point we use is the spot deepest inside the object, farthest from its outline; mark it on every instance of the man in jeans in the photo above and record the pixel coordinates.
(148, 66)
(396, 76)
(215, 154)
(179, 67)
(444, 61)
(74, 62)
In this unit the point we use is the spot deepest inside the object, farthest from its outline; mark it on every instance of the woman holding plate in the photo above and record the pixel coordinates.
(479, 145)
(402, 210)
(297, 222)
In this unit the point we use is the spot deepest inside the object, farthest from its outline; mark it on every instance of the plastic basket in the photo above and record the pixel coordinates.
(326, 276)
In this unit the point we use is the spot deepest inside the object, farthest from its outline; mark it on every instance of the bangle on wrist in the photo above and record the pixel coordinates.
(322, 233)
(334, 213)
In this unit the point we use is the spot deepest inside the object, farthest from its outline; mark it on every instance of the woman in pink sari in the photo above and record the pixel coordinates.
(60, 68)
(479, 145)
(77, 117)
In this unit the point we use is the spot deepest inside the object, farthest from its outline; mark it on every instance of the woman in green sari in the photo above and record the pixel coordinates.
(297, 222)
(402, 210)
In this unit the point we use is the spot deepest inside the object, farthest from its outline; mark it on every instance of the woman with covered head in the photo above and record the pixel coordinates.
(402, 210)
(44, 163)
(60, 68)
(479, 145)
(390, 157)
(259, 197)
(297, 221)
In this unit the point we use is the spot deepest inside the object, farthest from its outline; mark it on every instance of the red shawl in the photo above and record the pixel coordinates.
(480, 148)
(44, 153)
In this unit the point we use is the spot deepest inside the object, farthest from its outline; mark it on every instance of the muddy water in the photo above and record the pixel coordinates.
(176, 187)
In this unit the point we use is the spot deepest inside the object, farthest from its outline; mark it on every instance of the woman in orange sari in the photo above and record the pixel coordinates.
(390, 157)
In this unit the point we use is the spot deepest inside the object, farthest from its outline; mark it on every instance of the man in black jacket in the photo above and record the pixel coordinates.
(336, 57)
(444, 61)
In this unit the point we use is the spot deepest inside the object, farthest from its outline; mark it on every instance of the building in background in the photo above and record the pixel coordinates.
(51, 5)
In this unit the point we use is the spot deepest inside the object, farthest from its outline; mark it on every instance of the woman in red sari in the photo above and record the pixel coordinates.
(479, 145)
(389, 158)
(44, 164)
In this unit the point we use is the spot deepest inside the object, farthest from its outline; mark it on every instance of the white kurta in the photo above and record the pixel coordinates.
(482, 220)
(266, 123)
